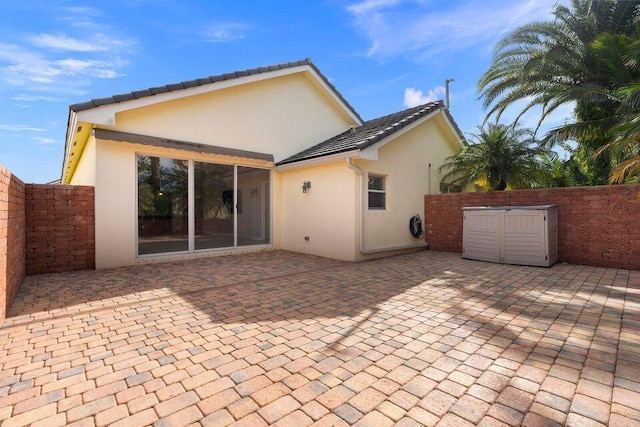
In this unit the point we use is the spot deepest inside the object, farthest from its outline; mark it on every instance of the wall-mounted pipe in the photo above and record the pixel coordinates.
(363, 215)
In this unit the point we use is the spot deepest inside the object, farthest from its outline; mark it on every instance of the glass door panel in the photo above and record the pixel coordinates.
(213, 201)
(254, 218)
(162, 205)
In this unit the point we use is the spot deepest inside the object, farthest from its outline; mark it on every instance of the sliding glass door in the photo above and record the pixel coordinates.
(162, 205)
(254, 217)
(187, 206)
(213, 196)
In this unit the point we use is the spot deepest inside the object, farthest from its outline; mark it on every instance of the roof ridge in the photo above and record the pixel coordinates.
(171, 87)
(418, 108)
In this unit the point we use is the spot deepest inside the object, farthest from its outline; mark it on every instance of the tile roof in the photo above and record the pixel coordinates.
(98, 102)
(368, 134)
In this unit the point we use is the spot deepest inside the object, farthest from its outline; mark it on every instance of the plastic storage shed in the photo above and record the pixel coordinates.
(524, 235)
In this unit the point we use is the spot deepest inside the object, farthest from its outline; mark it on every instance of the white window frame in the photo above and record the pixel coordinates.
(383, 191)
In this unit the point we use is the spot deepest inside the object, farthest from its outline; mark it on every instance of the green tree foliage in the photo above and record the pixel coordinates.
(498, 157)
(586, 57)
(625, 144)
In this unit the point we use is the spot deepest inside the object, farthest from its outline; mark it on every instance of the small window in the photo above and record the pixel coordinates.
(377, 192)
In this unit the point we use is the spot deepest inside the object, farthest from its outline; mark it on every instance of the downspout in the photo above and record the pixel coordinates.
(363, 215)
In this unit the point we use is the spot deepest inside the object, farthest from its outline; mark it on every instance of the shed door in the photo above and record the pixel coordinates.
(524, 237)
(481, 239)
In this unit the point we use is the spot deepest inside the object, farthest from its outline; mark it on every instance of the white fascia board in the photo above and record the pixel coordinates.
(333, 95)
(318, 161)
(371, 152)
(455, 131)
(68, 144)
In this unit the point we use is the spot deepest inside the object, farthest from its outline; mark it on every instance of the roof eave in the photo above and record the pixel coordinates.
(72, 123)
(316, 161)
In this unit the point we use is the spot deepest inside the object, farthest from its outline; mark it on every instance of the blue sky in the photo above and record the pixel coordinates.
(382, 55)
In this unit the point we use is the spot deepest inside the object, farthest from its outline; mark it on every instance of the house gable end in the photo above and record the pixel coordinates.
(278, 110)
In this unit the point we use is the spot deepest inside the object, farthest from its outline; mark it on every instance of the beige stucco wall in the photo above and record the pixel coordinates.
(326, 213)
(85, 173)
(280, 116)
(405, 163)
(116, 200)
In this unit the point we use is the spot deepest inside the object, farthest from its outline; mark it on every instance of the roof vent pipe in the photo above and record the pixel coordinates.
(446, 90)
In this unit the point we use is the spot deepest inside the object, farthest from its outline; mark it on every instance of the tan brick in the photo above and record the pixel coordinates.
(58, 420)
(129, 394)
(214, 387)
(249, 387)
(278, 409)
(367, 400)
(218, 401)
(169, 391)
(270, 393)
(111, 415)
(141, 403)
(251, 420)
(32, 416)
(176, 404)
(91, 408)
(198, 380)
(143, 418)
(221, 417)
(22, 395)
(243, 407)
(314, 410)
(374, 418)
(105, 390)
(335, 397)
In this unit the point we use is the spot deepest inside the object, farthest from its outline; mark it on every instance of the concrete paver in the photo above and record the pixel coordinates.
(278, 338)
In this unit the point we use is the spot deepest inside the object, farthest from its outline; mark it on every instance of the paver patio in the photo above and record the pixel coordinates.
(287, 339)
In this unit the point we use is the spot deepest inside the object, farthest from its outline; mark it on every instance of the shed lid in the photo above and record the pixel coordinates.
(508, 208)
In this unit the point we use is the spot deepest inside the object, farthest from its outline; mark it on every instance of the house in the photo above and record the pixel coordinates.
(264, 158)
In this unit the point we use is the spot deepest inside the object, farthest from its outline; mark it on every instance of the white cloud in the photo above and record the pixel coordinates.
(83, 17)
(36, 98)
(91, 68)
(45, 141)
(226, 32)
(371, 5)
(64, 62)
(49, 72)
(83, 11)
(40, 66)
(20, 128)
(410, 27)
(64, 42)
(414, 97)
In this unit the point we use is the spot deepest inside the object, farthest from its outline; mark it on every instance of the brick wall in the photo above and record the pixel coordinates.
(60, 231)
(12, 240)
(597, 225)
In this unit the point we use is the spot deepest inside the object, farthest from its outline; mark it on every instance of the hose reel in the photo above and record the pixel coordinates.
(415, 227)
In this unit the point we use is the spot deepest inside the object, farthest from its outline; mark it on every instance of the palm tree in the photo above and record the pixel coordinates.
(626, 141)
(499, 156)
(577, 59)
